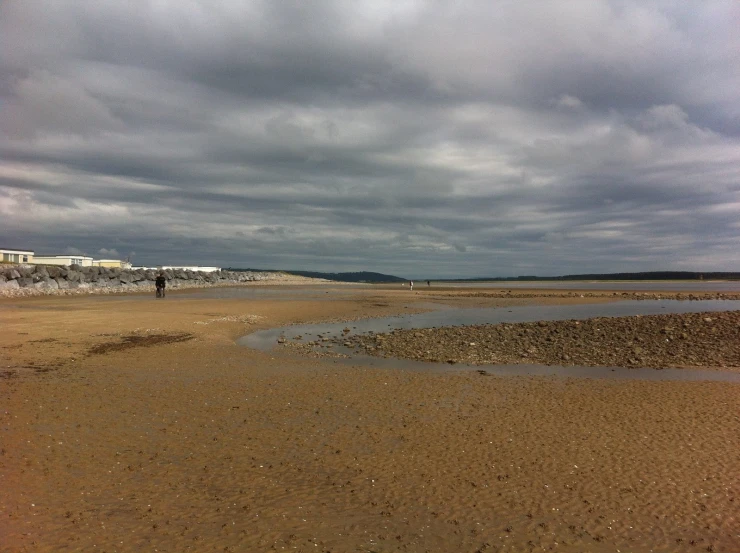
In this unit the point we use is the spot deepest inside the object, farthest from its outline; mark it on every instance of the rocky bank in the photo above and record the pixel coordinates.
(31, 280)
(655, 341)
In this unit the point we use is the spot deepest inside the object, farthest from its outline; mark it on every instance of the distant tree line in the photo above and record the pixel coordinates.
(653, 275)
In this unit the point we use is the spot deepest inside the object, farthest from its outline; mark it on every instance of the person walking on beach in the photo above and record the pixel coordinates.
(411, 285)
(160, 282)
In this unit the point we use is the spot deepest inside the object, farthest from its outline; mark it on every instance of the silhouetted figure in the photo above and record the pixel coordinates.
(160, 282)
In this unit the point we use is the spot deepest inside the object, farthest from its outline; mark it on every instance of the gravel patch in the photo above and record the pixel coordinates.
(657, 341)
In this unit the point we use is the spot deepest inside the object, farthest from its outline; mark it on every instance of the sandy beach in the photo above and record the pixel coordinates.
(135, 424)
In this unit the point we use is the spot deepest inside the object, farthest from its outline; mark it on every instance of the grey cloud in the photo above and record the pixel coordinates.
(422, 139)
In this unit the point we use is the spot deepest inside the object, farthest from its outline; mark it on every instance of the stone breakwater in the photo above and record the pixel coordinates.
(33, 280)
(654, 341)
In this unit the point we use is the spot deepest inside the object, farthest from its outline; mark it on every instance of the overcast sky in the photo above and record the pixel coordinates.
(421, 139)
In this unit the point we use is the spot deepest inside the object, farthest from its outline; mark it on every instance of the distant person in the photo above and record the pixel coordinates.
(429, 283)
(411, 284)
(160, 282)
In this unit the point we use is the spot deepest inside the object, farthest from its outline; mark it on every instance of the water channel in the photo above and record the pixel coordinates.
(441, 316)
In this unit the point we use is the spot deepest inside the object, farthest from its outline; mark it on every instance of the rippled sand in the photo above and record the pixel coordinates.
(191, 443)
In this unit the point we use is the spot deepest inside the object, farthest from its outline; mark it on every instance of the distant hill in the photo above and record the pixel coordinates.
(362, 276)
(654, 275)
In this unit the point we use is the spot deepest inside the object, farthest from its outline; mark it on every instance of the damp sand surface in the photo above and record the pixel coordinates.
(195, 443)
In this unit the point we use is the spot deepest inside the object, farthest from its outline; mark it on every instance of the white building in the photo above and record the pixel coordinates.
(182, 267)
(10, 255)
(115, 263)
(81, 260)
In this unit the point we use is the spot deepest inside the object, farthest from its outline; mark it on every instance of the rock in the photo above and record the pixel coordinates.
(9, 285)
(24, 282)
(13, 274)
(53, 271)
(48, 284)
(62, 283)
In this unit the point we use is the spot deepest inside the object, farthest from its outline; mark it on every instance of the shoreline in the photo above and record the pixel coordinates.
(135, 425)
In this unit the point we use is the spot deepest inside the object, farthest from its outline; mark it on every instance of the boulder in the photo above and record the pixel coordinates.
(182, 275)
(13, 274)
(25, 272)
(126, 278)
(62, 283)
(41, 271)
(74, 276)
(75, 267)
(137, 275)
(25, 282)
(53, 271)
(9, 285)
(47, 284)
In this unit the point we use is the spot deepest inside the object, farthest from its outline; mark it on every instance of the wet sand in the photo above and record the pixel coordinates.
(131, 425)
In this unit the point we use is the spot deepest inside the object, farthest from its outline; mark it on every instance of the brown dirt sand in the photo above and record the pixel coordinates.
(202, 445)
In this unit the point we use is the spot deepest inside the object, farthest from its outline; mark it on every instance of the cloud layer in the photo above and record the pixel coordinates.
(424, 139)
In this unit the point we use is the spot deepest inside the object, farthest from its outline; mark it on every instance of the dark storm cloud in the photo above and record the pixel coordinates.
(416, 138)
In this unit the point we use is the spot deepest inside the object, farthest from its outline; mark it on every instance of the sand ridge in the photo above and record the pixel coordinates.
(202, 445)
